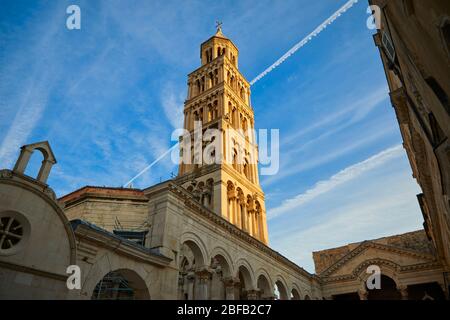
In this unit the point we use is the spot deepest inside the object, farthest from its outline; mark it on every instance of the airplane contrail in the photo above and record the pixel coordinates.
(150, 165)
(305, 40)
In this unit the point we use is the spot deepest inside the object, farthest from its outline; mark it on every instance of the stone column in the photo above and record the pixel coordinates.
(204, 279)
(45, 170)
(191, 285)
(231, 285)
(189, 90)
(363, 294)
(251, 223)
(233, 213)
(403, 291)
(238, 213)
(23, 160)
(244, 216)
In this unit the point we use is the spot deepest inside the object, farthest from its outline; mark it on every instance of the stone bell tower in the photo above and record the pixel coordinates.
(219, 98)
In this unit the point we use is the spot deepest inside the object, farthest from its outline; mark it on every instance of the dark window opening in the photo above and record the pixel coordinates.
(438, 134)
(439, 92)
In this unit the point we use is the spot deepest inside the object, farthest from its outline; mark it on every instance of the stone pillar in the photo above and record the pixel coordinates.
(221, 74)
(251, 224)
(217, 285)
(238, 213)
(204, 281)
(231, 285)
(244, 216)
(190, 285)
(189, 90)
(23, 160)
(403, 291)
(363, 294)
(45, 170)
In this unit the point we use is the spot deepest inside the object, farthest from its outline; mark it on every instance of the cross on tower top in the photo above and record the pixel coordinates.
(219, 26)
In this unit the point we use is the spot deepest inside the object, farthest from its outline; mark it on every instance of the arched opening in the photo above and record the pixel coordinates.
(122, 284)
(235, 160)
(263, 285)
(388, 290)
(280, 291)
(221, 271)
(233, 117)
(247, 170)
(245, 282)
(34, 165)
(231, 196)
(426, 291)
(45, 166)
(307, 297)
(295, 295)
(191, 260)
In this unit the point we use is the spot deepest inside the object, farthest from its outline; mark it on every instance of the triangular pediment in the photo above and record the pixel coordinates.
(372, 251)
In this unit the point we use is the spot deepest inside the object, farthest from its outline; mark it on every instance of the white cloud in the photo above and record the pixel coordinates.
(173, 106)
(341, 177)
(377, 203)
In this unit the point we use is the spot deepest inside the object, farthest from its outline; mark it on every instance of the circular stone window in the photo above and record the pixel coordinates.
(14, 232)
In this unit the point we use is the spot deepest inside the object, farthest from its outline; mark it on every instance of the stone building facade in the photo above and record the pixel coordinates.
(414, 44)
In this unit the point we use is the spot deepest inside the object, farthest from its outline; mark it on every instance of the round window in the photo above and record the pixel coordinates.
(14, 231)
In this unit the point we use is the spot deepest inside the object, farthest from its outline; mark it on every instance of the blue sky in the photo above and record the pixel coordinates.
(108, 96)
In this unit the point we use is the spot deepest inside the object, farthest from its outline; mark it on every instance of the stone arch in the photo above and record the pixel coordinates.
(121, 284)
(281, 284)
(243, 266)
(264, 284)
(47, 164)
(219, 251)
(222, 272)
(197, 246)
(107, 264)
(295, 292)
(388, 268)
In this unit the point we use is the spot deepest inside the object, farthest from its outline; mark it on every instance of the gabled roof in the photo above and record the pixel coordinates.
(366, 245)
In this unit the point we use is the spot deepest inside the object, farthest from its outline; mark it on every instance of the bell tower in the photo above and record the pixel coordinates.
(219, 100)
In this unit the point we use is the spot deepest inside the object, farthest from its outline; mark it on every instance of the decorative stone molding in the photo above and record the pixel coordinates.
(6, 174)
(368, 244)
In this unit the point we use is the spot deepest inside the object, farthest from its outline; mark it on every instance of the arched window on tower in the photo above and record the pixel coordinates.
(203, 84)
(215, 112)
(216, 77)
(234, 117)
(235, 160)
(197, 86)
(210, 113)
(439, 92)
(247, 170)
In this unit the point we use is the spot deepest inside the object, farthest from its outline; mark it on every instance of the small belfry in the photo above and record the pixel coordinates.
(218, 101)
